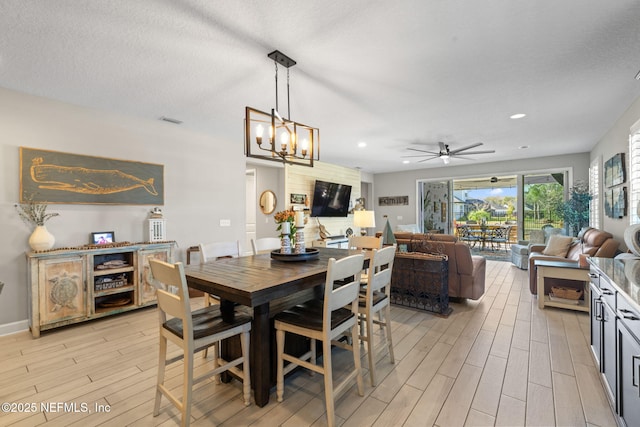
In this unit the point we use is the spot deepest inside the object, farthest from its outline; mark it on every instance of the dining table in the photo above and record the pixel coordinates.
(266, 286)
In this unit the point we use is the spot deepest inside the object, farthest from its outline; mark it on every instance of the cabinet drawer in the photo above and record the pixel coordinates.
(594, 276)
(629, 316)
(608, 293)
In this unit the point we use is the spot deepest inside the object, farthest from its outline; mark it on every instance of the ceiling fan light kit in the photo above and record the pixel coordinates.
(288, 141)
(446, 154)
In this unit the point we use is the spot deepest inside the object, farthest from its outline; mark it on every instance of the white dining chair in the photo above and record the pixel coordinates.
(211, 252)
(265, 244)
(192, 332)
(326, 320)
(376, 298)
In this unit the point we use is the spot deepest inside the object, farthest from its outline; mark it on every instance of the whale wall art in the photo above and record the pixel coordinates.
(55, 177)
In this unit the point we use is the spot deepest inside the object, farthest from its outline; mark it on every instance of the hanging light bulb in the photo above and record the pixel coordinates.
(304, 146)
(259, 132)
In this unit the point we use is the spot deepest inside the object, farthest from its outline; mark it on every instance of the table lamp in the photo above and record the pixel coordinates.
(364, 219)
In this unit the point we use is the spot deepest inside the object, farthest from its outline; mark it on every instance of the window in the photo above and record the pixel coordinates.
(634, 172)
(594, 189)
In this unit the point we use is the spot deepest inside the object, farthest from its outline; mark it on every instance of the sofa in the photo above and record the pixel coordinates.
(590, 241)
(466, 275)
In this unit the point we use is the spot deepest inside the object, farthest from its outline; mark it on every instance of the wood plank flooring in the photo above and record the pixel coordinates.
(497, 361)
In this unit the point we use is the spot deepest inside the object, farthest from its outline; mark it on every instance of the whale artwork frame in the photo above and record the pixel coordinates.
(56, 177)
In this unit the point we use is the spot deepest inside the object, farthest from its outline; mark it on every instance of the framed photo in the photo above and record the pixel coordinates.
(102, 237)
(608, 203)
(619, 202)
(298, 199)
(56, 177)
(614, 171)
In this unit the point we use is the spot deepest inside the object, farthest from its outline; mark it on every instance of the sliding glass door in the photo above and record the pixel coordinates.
(543, 197)
(526, 202)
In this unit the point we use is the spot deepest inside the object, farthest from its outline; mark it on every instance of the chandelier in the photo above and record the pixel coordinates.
(269, 136)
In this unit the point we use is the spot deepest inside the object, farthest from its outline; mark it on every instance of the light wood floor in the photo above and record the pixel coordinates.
(496, 361)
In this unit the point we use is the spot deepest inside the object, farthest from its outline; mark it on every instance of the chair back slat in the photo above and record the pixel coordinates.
(213, 251)
(365, 242)
(346, 272)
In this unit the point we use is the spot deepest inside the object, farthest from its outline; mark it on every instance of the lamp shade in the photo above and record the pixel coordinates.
(364, 219)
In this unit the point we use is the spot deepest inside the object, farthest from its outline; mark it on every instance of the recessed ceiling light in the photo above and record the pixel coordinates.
(406, 162)
(362, 144)
(517, 116)
(523, 147)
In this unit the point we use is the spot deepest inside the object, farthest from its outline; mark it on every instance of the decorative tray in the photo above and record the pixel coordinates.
(311, 253)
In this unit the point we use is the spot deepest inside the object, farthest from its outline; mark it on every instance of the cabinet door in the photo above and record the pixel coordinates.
(596, 325)
(608, 362)
(147, 283)
(629, 359)
(62, 291)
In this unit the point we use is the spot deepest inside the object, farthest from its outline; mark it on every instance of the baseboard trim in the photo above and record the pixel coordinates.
(14, 327)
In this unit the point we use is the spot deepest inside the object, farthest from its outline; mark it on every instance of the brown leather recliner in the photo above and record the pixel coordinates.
(590, 241)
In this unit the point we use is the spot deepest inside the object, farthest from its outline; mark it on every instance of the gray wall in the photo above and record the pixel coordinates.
(204, 175)
(269, 178)
(616, 140)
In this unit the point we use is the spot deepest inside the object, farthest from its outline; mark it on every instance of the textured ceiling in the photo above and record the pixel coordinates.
(391, 74)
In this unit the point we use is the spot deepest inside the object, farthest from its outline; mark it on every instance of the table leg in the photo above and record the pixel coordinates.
(540, 278)
(261, 354)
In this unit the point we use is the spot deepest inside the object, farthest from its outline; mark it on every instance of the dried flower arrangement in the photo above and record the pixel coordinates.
(33, 213)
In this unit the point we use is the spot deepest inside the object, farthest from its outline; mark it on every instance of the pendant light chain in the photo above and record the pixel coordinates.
(288, 101)
(276, 64)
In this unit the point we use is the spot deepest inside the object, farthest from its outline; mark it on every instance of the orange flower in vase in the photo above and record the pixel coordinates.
(286, 221)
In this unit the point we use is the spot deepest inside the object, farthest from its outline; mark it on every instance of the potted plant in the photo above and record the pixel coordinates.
(35, 214)
(575, 211)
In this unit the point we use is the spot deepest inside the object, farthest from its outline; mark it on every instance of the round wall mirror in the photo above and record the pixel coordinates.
(268, 202)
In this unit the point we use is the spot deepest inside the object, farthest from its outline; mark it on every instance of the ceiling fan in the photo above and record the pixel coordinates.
(445, 153)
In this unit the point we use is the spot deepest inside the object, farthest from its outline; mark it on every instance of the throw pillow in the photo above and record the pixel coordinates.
(558, 245)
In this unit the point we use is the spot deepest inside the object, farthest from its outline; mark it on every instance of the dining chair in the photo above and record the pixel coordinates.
(211, 252)
(325, 320)
(193, 331)
(500, 236)
(364, 242)
(265, 244)
(376, 299)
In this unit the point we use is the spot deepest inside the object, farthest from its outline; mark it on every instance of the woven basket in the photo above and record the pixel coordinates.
(567, 293)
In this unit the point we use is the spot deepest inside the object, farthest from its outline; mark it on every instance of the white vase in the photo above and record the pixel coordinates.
(41, 239)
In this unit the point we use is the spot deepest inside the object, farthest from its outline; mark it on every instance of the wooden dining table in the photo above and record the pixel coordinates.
(268, 286)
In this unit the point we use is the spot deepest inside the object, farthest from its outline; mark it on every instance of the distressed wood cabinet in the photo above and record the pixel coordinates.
(71, 286)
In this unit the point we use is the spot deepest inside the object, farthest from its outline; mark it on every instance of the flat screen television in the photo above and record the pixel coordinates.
(330, 199)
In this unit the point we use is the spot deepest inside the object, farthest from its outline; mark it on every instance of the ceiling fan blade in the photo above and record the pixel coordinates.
(466, 148)
(443, 147)
(418, 155)
(428, 158)
(474, 152)
(423, 151)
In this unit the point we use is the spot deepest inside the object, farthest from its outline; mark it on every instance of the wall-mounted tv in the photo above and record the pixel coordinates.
(330, 199)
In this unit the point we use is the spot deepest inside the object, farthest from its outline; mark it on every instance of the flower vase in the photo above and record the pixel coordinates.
(299, 246)
(285, 240)
(41, 239)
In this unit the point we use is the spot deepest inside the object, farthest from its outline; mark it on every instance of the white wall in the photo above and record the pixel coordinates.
(616, 140)
(404, 183)
(204, 176)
